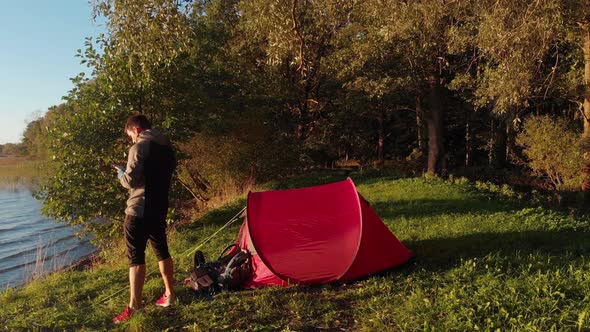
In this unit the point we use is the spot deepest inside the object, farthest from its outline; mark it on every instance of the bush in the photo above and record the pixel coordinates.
(218, 162)
(554, 151)
(231, 162)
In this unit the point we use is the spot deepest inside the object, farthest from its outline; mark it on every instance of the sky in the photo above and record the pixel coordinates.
(38, 43)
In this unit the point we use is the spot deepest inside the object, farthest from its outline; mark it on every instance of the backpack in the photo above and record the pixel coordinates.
(228, 272)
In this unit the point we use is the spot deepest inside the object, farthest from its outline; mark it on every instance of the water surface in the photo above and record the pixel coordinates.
(31, 244)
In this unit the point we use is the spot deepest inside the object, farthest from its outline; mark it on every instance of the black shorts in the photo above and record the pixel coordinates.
(137, 232)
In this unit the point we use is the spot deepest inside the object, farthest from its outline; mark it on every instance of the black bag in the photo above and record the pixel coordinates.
(237, 270)
(228, 272)
(202, 278)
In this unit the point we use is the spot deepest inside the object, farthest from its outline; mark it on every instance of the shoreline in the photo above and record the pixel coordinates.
(84, 263)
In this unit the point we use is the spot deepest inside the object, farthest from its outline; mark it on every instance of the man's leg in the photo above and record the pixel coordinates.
(167, 271)
(135, 240)
(136, 281)
(159, 243)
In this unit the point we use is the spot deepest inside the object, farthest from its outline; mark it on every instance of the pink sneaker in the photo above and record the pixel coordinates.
(166, 301)
(124, 316)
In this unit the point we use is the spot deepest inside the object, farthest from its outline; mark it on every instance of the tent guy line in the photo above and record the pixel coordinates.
(191, 251)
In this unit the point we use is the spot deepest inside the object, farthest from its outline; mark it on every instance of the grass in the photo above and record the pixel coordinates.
(485, 260)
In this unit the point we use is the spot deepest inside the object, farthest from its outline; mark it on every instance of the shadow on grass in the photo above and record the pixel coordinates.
(219, 216)
(303, 308)
(366, 177)
(312, 179)
(419, 208)
(370, 177)
(444, 253)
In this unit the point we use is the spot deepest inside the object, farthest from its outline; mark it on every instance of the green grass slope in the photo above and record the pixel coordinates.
(484, 261)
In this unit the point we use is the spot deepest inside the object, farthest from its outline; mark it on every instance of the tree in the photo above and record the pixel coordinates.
(512, 41)
(137, 69)
(156, 59)
(577, 18)
(36, 135)
(417, 35)
(371, 72)
(14, 149)
(145, 48)
(296, 37)
(553, 151)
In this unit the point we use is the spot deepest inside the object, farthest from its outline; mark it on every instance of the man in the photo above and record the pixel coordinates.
(150, 165)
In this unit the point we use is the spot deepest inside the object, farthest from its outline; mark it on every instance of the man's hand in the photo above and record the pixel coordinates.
(120, 170)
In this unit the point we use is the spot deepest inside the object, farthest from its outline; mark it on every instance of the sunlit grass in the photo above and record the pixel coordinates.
(483, 262)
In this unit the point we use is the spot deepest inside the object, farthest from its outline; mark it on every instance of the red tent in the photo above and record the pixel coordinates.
(316, 235)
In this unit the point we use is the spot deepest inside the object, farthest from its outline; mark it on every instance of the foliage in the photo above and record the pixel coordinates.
(36, 134)
(147, 35)
(296, 40)
(85, 143)
(512, 38)
(87, 138)
(280, 86)
(239, 157)
(482, 262)
(554, 151)
(260, 89)
(13, 149)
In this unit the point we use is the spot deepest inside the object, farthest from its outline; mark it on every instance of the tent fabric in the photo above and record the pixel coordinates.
(316, 235)
(379, 248)
(262, 276)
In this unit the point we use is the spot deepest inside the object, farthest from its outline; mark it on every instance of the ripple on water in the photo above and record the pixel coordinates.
(31, 243)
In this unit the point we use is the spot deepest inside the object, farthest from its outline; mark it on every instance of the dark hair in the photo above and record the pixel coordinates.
(138, 121)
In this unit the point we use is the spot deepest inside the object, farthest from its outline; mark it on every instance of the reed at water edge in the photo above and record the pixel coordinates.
(19, 172)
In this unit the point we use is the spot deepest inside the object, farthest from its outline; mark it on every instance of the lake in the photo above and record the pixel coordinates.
(31, 244)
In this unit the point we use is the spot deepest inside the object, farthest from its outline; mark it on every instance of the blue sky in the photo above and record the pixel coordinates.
(38, 43)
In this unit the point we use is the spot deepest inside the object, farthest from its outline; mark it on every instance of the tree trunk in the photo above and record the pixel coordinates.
(468, 143)
(435, 128)
(420, 125)
(381, 141)
(586, 134)
(491, 143)
(500, 147)
(510, 139)
(497, 144)
(587, 86)
(469, 132)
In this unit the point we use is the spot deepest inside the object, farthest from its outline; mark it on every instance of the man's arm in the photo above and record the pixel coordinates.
(133, 177)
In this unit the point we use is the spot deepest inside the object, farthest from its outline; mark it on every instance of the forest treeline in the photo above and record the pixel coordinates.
(14, 149)
(252, 90)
